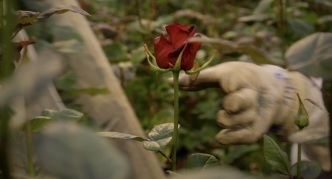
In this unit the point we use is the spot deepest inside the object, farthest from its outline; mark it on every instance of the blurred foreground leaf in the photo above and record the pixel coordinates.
(203, 161)
(30, 79)
(48, 115)
(226, 172)
(38, 123)
(275, 156)
(309, 169)
(64, 114)
(68, 151)
(312, 55)
(119, 135)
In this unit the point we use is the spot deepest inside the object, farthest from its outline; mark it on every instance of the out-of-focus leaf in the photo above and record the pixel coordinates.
(116, 52)
(64, 114)
(90, 91)
(159, 136)
(259, 56)
(119, 135)
(31, 78)
(218, 173)
(300, 28)
(312, 55)
(309, 169)
(318, 136)
(69, 46)
(138, 55)
(38, 123)
(61, 10)
(202, 161)
(66, 81)
(238, 151)
(253, 18)
(263, 6)
(68, 151)
(275, 156)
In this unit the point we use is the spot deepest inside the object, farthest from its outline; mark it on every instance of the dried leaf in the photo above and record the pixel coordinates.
(24, 19)
(61, 10)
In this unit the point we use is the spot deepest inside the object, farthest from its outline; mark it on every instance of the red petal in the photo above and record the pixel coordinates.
(178, 34)
(162, 49)
(189, 54)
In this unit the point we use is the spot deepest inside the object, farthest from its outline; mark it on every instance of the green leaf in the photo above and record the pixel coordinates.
(116, 52)
(263, 6)
(309, 169)
(237, 151)
(39, 123)
(203, 161)
(300, 28)
(156, 146)
(138, 55)
(66, 150)
(275, 156)
(69, 46)
(64, 114)
(160, 136)
(161, 131)
(119, 135)
(90, 91)
(312, 55)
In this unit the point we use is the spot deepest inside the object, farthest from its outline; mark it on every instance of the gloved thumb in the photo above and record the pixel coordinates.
(207, 78)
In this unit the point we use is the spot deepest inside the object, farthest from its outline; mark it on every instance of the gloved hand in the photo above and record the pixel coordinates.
(258, 97)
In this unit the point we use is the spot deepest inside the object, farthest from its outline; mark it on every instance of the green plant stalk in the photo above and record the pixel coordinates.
(299, 151)
(176, 117)
(4, 136)
(5, 70)
(28, 139)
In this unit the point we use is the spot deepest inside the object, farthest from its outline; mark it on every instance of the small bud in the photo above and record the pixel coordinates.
(302, 117)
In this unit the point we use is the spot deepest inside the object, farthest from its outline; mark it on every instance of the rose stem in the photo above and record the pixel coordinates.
(176, 117)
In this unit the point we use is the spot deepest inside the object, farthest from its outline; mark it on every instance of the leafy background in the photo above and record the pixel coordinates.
(263, 29)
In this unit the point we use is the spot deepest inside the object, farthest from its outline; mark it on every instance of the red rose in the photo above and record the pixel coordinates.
(168, 48)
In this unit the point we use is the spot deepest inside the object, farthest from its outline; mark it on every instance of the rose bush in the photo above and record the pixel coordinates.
(168, 48)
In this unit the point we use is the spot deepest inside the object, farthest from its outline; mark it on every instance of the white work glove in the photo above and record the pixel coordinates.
(259, 97)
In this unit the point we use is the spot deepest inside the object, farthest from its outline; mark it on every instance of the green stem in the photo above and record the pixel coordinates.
(176, 117)
(5, 70)
(165, 156)
(299, 150)
(29, 150)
